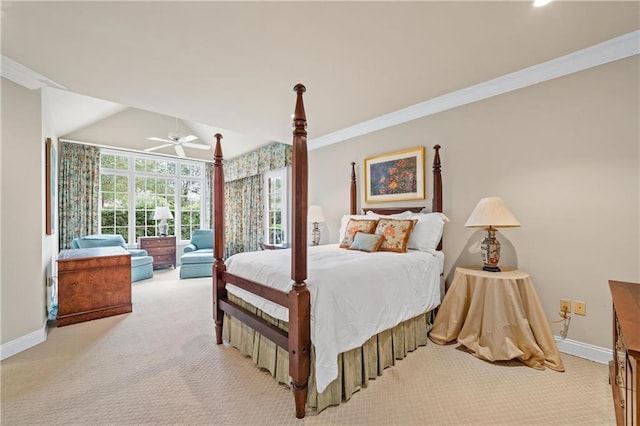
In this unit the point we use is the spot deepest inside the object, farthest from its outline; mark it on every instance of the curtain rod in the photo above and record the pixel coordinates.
(135, 151)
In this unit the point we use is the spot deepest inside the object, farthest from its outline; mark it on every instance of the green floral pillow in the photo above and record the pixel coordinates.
(355, 225)
(396, 234)
(366, 242)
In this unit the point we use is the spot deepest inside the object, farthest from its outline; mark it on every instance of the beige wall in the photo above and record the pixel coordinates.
(564, 157)
(22, 214)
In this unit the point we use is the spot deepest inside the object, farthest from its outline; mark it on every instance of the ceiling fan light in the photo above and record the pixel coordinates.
(175, 136)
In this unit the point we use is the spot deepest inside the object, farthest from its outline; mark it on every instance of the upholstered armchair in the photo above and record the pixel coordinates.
(197, 260)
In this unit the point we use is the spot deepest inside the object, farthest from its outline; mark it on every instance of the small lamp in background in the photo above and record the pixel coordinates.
(162, 214)
(315, 216)
(491, 213)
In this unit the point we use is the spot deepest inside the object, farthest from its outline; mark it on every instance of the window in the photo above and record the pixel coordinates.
(114, 195)
(190, 199)
(132, 186)
(276, 202)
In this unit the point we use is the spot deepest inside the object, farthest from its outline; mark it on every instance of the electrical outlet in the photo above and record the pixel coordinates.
(580, 308)
(565, 305)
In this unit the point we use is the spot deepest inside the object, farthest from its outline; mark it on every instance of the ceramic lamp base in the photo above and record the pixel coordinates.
(315, 233)
(490, 249)
(163, 228)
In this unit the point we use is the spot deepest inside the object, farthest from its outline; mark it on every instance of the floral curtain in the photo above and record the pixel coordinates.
(244, 215)
(244, 205)
(270, 157)
(78, 190)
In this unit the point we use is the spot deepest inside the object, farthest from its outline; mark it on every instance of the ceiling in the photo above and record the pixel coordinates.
(231, 66)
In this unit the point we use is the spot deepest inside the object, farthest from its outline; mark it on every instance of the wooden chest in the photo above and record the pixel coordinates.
(163, 250)
(93, 283)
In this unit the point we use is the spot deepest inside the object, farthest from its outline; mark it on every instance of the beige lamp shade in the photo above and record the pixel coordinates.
(162, 213)
(315, 214)
(491, 212)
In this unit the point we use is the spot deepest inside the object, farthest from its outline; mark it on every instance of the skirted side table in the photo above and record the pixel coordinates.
(497, 316)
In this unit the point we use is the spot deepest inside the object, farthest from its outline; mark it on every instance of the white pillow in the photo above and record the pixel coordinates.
(427, 231)
(345, 221)
(403, 215)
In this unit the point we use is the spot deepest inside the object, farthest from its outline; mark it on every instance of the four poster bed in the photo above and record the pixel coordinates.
(361, 320)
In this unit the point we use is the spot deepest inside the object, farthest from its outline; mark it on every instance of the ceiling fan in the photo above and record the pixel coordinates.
(177, 140)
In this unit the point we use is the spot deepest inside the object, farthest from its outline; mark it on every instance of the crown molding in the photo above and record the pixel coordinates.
(609, 51)
(24, 76)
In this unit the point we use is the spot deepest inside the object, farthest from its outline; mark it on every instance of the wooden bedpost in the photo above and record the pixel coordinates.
(354, 207)
(437, 186)
(219, 290)
(299, 297)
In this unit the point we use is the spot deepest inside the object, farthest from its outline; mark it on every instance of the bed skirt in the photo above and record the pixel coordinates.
(355, 367)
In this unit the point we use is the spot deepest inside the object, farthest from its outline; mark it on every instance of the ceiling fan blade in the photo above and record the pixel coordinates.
(189, 138)
(196, 145)
(161, 140)
(179, 151)
(158, 147)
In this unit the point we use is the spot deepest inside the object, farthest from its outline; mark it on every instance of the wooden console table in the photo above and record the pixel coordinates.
(497, 316)
(623, 369)
(93, 283)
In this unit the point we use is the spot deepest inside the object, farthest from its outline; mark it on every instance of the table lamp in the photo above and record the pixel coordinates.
(491, 213)
(315, 216)
(162, 214)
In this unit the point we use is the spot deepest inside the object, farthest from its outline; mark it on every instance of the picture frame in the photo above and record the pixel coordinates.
(396, 176)
(51, 173)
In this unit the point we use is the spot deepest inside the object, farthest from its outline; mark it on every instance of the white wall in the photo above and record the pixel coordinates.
(50, 242)
(564, 157)
(22, 222)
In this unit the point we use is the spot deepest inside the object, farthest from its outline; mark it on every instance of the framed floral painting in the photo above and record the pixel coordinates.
(397, 176)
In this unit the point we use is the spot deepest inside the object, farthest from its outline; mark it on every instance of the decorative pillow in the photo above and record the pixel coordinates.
(427, 231)
(366, 242)
(345, 221)
(396, 234)
(355, 225)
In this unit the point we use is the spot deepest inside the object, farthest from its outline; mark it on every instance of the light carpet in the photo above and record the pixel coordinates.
(160, 365)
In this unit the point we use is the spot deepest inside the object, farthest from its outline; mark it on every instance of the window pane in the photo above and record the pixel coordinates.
(107, 182)
(122, 184)
(107, 161)
(122, 162)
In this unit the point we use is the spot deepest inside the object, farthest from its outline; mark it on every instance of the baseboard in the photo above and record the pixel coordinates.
(23, 343)
(584, 350)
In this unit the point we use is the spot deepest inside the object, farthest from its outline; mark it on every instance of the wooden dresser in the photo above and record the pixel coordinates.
(93, 283)
(623, 369)
(163, 250)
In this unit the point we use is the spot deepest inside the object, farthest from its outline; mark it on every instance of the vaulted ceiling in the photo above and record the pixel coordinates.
(231, 66)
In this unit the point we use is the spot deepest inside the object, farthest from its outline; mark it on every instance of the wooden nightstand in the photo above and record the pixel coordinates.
(497, 316)
(163, 250)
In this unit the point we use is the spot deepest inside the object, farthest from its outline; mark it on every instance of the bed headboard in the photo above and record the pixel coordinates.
(391, 210)
(436, 201)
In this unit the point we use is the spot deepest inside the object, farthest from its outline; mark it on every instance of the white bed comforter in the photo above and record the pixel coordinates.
(354, 295)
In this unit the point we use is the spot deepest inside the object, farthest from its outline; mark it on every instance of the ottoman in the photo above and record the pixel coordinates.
(141, 268)
(196, 264)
